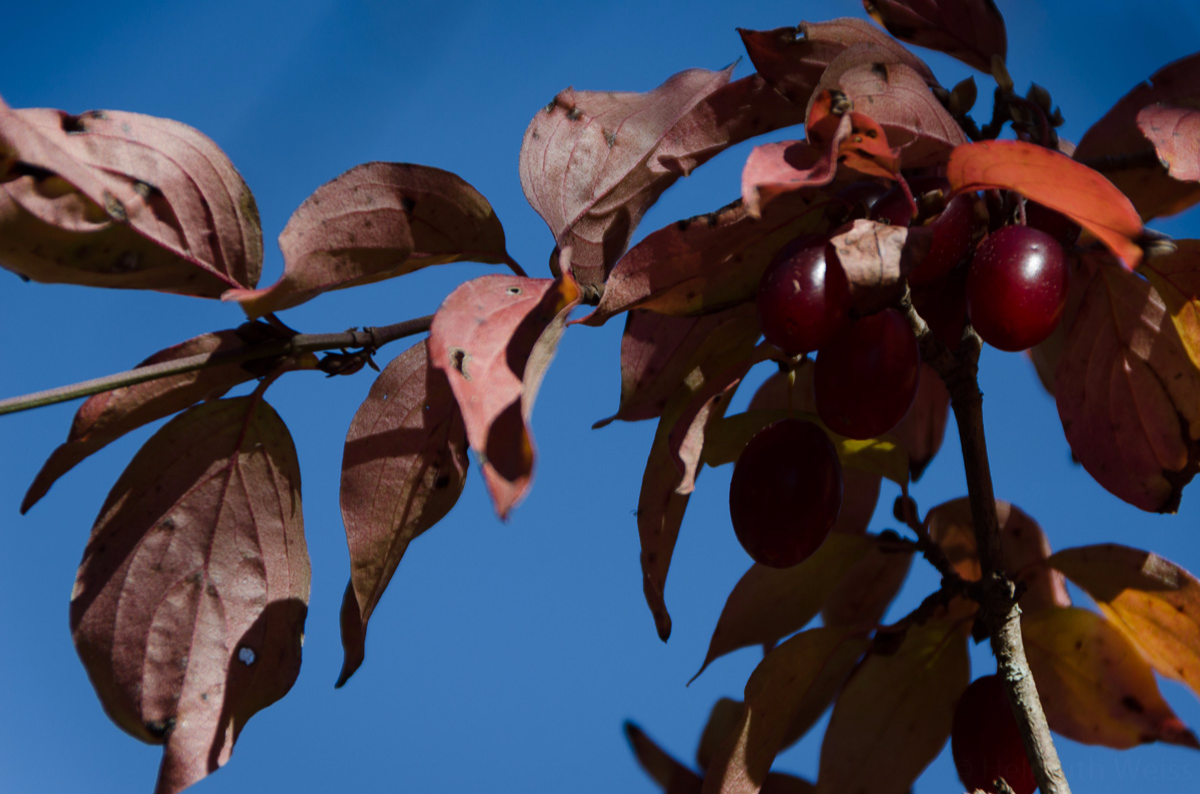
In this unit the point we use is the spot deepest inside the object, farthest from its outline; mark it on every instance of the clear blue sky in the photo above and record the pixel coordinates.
(503, 657)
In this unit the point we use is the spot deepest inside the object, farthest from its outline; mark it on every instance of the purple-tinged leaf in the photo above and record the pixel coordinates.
(494, 337)
(593, 162)
(189, 605)
(374, 222)
(403, 469)
(970, 30)
(116, 199)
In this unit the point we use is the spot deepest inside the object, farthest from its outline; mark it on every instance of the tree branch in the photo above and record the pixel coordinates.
(367, 338)
(997, 591)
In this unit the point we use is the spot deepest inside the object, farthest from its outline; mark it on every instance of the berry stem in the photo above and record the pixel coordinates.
(998, 602)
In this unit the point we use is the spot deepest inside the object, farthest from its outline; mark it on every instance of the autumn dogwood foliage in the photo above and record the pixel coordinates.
(889, 219)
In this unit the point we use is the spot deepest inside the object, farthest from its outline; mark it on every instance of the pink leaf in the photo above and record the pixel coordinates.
(189, 605)
(1115, 142)
(782, 167)
(374, 222)
(106, 417)
(116, 199)
(403, 469)
(1128, 393)
(494, 337)
(593, 162)
(970, 30)
(1175, 133)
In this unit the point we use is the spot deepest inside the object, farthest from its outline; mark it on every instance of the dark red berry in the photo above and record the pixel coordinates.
(804, 297)
(986, 742)
(1017, 287)
(786, 493)
(943, 305)
(865, 380)
(1055, 224)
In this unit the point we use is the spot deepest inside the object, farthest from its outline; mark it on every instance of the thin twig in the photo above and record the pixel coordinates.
(370, 338)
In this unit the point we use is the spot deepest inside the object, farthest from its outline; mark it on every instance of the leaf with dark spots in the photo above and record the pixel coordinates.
(1024, 549)
(853, 139)
(1175, 133)
(403, 469)
(494, 337)
(792, 685)
(767, 604)
(970, 30)
(115, 199)
(188, 608)
(1153, 601)
(374, 222)
(1128, 392)
(105, 417)
(706, 264)
(793, 59)
(1056, 181)
(873, 256)
(1117, 145)
(897, 99)
(658, 352)
(593, 162)
(893, 716)
(1094, 685)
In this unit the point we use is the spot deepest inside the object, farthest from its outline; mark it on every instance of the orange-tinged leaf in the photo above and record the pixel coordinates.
(1094, 685)
(189, 605)
(1023, 549)
(1056, 181)
(893, 716)
(593, 162)
(116, 199)
(767, 604)
(775, 169)
(1154, 601)
(794, 683)
(374, 222)
(970, 30)
(105, 417)
(707, 263)
(854, 139)
(494, 337)
(403, 469)
(1116, 139)
(1175, 133)
(1128, 393)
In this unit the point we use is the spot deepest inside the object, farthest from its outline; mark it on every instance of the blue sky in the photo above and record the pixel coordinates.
(504, 657)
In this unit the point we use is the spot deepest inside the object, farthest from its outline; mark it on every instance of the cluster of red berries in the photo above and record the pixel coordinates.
(1012, 286)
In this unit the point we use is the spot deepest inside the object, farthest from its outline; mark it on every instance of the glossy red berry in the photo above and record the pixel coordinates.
(986, 742)
(1017, 287)
(786, 493)
(865, 380)
(804, 297)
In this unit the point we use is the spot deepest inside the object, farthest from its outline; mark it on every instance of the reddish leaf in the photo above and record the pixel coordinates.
(1117, 136)
(794, 683)
(868, 586)
(706, 263)
(970, 30)
(920, 433)
(860, 143)
(658, 352)
(494, 337)
(1176, 278)
(116, 199)
(872, 254)
(1046, 355)
(672, 776)
(1128, 394)
(189, 605)
(782, 167)
(1023, 547)
(403, 469)
(1175, 133)
(1058, 182)
(767, 604)
(893, 715)
(895, 97)
(793, 59)
(1153, 601)
(1094, 685)
(593, 162)
(375, 222)
(109, 415)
